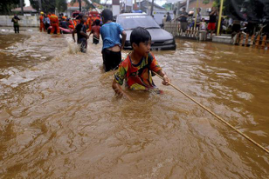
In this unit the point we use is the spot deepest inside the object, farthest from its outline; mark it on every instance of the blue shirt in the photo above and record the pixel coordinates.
(110, 33)
(46, 20)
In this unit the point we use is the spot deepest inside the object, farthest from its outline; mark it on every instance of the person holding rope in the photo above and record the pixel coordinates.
(137, 68)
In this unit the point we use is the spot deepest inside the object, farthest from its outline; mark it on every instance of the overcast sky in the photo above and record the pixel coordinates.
(160, 2)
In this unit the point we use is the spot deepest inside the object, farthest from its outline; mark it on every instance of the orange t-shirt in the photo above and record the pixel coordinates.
(54, 19)
(41, 19)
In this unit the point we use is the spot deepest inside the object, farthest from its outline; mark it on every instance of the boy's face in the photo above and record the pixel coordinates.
(143, 48)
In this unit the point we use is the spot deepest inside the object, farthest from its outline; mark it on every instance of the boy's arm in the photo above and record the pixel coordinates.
(73, 34)
(123, 34)
(155, 67)
(91, 32)
(84, 34)
(119, 91)
(212, 12)
(118, 81)
(166, 80)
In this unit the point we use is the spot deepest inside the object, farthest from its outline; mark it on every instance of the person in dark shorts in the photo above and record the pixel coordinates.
(112, 44)
(96, 32)
(183, 20)
(212, 20)
(82, 36)
(46, 22)
(16, 25)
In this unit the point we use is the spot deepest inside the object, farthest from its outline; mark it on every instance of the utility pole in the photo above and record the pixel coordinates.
(21, 4)
(40, 5)
(220, 16)
(152, 6)
(79, 2)
(187, 6)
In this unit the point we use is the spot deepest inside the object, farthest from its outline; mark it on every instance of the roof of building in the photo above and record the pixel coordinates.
(76, 4)
(25, 9)
(193, 4)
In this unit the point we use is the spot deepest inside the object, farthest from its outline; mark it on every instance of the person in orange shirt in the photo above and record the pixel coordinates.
(41, 27)
(71, 24)
(49, 14)
(54, 22)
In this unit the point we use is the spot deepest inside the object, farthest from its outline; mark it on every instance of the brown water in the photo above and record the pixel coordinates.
(59, 117)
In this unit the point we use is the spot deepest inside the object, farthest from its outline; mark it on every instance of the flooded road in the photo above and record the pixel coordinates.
(59, 117)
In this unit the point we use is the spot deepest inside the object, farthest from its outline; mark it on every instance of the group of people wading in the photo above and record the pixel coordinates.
(138, 67)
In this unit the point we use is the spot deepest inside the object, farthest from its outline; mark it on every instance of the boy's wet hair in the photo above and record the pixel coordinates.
(138, 35)
(97, 22)
(107, 15)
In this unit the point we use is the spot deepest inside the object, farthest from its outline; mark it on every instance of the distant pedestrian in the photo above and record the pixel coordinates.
(183, 20)
(203, 25)
(64, 23)
(168, 18)
(163, 21)
(96, 31)
(16, 25)
(198, 17)
(82, 36)
(212, 20)
(46, 22)
(112, 43)
(41, 26)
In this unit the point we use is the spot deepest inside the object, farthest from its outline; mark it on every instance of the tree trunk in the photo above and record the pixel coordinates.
(40, 5)
(79, 2)
(21, 3)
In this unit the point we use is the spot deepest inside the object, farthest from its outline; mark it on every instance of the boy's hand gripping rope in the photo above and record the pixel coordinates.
(218, 117)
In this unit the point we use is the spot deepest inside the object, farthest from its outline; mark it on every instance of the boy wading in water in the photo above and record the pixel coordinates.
(136, 68)
(82, 36)
(112, 45)
(96, 32)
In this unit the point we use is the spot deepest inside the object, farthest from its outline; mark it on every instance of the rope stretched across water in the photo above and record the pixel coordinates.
(218, 117)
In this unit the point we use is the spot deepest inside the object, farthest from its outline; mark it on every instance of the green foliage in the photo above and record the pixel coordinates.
(168, 6)
(206, 1)
(61, 5)
(96, 1)
(88, 4)
(47, 5)
(252, 9)
(7, 5)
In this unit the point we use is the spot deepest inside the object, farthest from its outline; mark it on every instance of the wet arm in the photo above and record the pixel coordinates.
(123, 34)
(119, 91)
(212, 12)
(84, 34)
(91, 33)
(73, 34)
(166, 80)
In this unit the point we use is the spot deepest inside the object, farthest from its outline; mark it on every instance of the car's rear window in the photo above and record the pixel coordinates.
(131, 22)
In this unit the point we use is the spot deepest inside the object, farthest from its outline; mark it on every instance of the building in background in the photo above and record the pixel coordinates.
(28, 11)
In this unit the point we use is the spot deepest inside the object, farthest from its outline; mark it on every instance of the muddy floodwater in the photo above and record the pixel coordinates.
(59, 117)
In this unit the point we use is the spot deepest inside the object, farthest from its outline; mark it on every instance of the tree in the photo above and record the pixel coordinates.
(7, 5)
(47, 5)
(88, 4)
(61, 5)
(252, 10)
